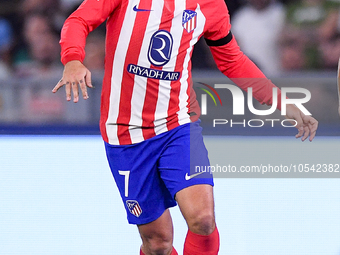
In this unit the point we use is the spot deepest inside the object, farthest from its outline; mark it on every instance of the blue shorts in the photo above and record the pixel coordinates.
(150, 173)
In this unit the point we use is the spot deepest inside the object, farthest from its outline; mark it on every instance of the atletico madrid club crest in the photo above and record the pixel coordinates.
(189, 20)
(134, 207)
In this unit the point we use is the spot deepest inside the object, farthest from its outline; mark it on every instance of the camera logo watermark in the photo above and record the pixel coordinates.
(204, 97)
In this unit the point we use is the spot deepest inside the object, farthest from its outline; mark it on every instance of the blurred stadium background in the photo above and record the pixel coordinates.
(57, 195)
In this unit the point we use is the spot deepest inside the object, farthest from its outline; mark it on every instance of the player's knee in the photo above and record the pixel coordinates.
(158, 244)
(160, 249)
(203, 224)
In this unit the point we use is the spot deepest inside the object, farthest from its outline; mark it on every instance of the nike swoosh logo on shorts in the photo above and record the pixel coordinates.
(188, 177)
(135, 8)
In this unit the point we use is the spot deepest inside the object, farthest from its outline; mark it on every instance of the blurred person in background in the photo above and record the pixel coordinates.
(95, 48)
(329, 38)
(6, 41)
(51, 8)
(41, 53)
(29, 6)
(307, 38)
(234, 5)
(257, 27)
(69, 5)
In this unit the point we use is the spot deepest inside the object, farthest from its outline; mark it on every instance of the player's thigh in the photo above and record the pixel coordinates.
(197, 205)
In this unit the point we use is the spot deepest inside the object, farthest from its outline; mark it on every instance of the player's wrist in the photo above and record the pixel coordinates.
(71, 57)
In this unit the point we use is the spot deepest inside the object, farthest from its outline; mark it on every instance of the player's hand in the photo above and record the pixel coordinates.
(75, 75)
(306, 124)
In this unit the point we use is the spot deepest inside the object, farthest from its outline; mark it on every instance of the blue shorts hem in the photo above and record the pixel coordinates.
(193, 182)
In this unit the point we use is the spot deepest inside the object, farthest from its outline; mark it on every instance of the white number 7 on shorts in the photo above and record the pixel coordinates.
(126, 174)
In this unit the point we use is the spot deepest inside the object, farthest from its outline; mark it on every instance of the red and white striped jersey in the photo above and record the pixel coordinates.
(147, 88)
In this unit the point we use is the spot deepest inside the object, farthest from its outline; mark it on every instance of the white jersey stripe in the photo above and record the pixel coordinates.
(117, 72)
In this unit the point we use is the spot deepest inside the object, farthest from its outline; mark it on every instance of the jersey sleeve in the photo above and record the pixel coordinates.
(218, 20)
(232, 62)
(89, 15)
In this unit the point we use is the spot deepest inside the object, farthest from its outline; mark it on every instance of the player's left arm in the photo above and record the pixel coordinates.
(239, 68)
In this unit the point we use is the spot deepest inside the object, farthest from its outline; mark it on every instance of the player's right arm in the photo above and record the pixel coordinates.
(89, 15)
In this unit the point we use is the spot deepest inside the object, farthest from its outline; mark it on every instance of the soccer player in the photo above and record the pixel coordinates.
(149, 112)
